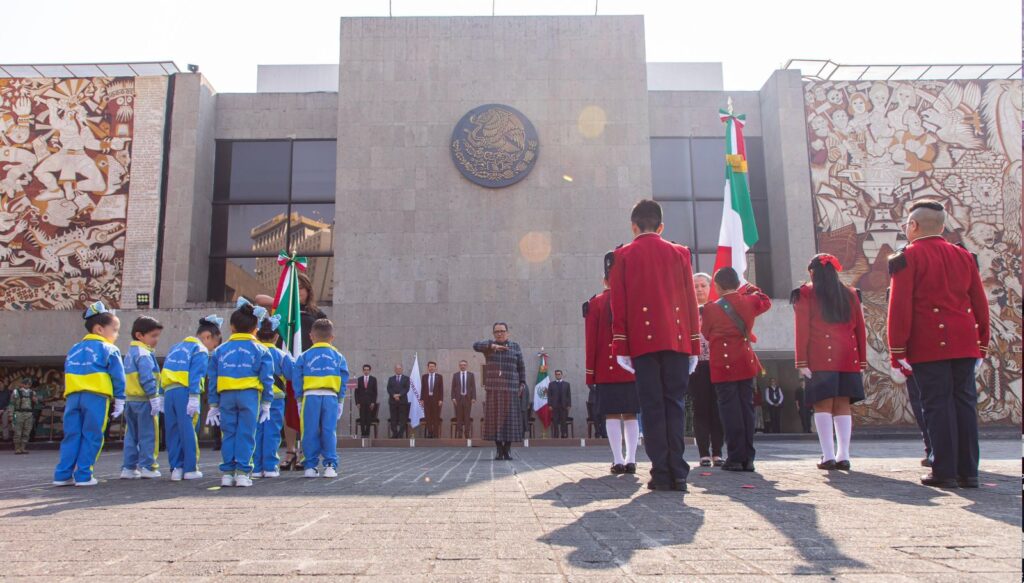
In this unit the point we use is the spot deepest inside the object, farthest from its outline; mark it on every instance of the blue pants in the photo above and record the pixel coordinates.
(239, 411)
(661, 380)
(85, 421)
(319, 430)
(949, 397)
(736, 406)
(180, 428)
(914, 395)
(141, 436)
(268, 439)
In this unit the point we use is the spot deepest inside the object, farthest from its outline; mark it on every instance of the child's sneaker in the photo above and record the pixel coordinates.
(311, 473)
(257, 474)
(149, 474)
(176, 474)
(91, 482)
(243, 481)
(227, 480)
(273, 474)
(330, 472)
(68, 482)
(193, 475)
(127, 474)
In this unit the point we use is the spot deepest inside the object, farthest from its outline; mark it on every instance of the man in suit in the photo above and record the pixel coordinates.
(366, 400)
(773, 402)
(463, 397)
(600, 431)
(431, 399)
(398, 402)
(802, 409)
(560, 400)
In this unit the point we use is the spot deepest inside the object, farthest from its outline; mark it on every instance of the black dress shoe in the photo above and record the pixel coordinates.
(843, 465)
(680, 486)
(967, 482)
(931, 480)
(733, 467)
(618, 469)
(718, 462)
(827, 465)
(705, 463)
(630, 468)
(748, 466)
(926, 462)
(664, 486)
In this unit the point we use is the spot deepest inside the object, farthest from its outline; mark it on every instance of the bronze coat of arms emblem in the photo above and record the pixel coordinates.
(494, 145)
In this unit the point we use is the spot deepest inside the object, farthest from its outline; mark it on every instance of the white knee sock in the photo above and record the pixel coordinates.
(632, 438)
(844, 427)
(823, 422)
(614, 429)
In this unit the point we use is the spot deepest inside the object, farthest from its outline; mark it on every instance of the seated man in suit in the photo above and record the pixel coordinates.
(463, 396)
(431, 399)
(366, 400)
(398, 402)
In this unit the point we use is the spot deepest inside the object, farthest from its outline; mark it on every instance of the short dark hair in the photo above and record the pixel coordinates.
(431, 363)
(496, 324)
(646, 215)
(104, 319)
(145, 325)
(367, 366)
(927, 204)
(463, 361)
(559, 370)
(208, 326)
(609, 260)
(727, 278)
(322, 328)
(266, 332)
(244, 319)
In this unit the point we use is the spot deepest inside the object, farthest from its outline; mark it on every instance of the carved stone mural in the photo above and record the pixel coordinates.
(874, 148)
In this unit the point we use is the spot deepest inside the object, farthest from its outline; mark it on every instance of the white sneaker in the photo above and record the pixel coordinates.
(176, 474)
(243, 481)
(274, 474)
(68, 482)
(311, 473)
(193, 475)
(257, 475)
(150, 474)
(330, 472)
(127, 474)
(227, 480)
(91, 482)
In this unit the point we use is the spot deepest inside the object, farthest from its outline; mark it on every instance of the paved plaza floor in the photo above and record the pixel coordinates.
(553, 514)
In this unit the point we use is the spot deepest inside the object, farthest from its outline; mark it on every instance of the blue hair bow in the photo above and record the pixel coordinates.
(259, 311)
(275, 321)
(94, 309)
(215, 320)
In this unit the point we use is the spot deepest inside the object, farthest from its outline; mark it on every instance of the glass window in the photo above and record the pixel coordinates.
(313, 170)
(248, 228)
(708, 156)
(312, 228)
(755, 169)
(259, 171)
(678, 219)
(670, 168)
(709, 222)
(763, 230)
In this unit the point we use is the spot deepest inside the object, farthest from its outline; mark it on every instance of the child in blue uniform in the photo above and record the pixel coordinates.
(241, 390)
(93, 376)
(142, 411)
(268, 433)
(183, 378)
(319, 376)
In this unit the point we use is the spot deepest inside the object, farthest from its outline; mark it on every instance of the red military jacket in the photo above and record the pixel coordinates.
(828, 346)
(654, 306)
(732, 357)
(937, 304)
(602, 368)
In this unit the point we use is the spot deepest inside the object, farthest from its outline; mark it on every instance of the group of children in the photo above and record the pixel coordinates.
(243, 377)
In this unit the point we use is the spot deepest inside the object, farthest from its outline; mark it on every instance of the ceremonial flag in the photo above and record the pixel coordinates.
(739, 231)
(415, 409)
(286, 302)
(540, 391)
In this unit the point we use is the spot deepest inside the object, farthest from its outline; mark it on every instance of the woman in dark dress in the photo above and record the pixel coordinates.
(505, 387)
(707, 423)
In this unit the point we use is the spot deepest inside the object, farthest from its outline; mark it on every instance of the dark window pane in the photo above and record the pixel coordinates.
(670, 168)
(708, 156)
(242, 229)
(763, 274)
(709, 222)
(241, 276)
(312, 228)
(313, 170)
(259, 171)
(678, 219)
(763, 230)
(755, 169)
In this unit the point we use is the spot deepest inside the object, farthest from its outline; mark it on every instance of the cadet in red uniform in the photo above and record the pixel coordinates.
(728, 324)
(655, 330)
(831, 352)
(938, 332)
(617, 398)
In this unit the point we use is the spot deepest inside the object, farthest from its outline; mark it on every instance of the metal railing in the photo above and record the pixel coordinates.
(827, 70)
(59, 70)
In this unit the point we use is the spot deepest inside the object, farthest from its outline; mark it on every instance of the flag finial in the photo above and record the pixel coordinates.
(728, 105)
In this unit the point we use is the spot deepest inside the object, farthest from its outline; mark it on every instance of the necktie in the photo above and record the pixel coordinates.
(431, 384)
(463, 384)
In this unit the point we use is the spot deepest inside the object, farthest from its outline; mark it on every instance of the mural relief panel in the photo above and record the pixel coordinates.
(65, 161)
(874, 148)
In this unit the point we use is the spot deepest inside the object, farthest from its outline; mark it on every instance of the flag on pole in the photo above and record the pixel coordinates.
(739, 231)
(415, 409)
(540, 391)
(286, 302)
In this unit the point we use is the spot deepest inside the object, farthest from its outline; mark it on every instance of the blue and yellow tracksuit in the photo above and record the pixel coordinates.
(241, 376)
(93, 375)
(142, 427)
(183, 376)
(268, 434)
(319, 376)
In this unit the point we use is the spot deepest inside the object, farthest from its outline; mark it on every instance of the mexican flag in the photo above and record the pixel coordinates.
(286, 302)
(540, 391)
(416, 414)
(739, 231)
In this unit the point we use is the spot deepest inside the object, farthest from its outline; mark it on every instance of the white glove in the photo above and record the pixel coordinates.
(626, 363)
(118, 408)
(693, 363)
(900, 373)
(977, 364)
(193, 405)
(341, 408)
(156, 405)
(805, 372)
(213, 416)
(264, 412)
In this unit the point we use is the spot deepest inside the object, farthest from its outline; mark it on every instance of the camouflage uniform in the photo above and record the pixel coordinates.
(21, 408)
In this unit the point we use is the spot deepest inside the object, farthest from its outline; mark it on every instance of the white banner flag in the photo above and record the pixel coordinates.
(415, 409)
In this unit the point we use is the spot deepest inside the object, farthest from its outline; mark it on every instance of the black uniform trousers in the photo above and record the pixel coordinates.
(661, 381)
(399, 418)
(949, 397)
(736, 405)
(707, 423)
(914, 396)
(559, 415)
(366, 415)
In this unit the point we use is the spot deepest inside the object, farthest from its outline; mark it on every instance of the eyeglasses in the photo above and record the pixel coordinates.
(496, 332)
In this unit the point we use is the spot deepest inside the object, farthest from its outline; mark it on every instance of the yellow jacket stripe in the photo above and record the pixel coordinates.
(96, 382)
(237, 384)
(321, 383)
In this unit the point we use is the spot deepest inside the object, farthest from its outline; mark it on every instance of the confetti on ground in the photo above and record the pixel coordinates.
(705, 473)
(213, 488)
(747, 486)
(991, 485)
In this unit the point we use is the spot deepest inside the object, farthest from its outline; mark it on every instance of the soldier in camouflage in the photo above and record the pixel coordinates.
(21, 409)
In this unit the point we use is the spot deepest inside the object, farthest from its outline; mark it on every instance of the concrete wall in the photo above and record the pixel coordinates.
(427, 260)
(296, 78)
(694, 114)
(684, 76)
(275, 116)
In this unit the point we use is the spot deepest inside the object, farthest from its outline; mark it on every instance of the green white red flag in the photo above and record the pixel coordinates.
(739, 231)
(286, 302)
(540, 391)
